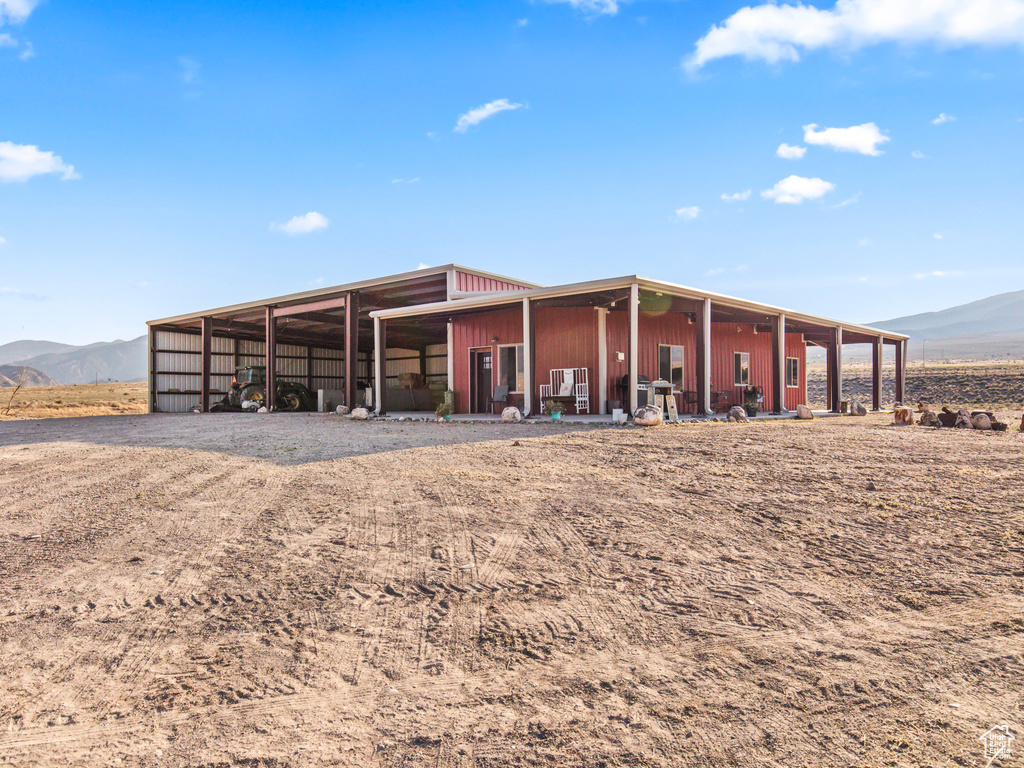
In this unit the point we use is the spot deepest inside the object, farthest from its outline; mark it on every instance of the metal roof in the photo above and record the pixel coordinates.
(335, 290)
(571, 289)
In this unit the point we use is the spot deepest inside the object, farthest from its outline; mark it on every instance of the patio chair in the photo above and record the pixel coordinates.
(500, 395)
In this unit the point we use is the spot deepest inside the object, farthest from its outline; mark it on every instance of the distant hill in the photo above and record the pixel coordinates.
(29, 377)
(67, 364)
(987, 329)
(17, 351)
(120, 360)
(1002, 313)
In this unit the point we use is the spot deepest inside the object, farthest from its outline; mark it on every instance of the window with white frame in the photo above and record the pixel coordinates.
(511, 371)
(670, 365)
(792, 372)
(741, 368)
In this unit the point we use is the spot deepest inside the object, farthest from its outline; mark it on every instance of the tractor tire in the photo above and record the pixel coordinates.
(288, 401)
(255, 393)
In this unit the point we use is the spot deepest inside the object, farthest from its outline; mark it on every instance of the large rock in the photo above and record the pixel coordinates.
(803, 412)
(341, 410)
(360, 413)
(982, 421)
(963, 419)
(857, 409)
(929, 419)
(647, 416)
(736, 413)
(511, 414)
(903, 416)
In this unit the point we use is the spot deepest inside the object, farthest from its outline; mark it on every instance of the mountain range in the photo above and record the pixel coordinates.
(118, 360)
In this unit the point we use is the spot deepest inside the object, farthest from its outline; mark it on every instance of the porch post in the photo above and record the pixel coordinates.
(901, 369)
(271, 358)
(876, 373)
(704, 358)
(830, 374)
(527, 358)
(451, 359)
(153, 407)
(351, 348)
(205, 365)
(380, 364)
(778, 363)
(634, 342)
(839, 366)
(602, 360)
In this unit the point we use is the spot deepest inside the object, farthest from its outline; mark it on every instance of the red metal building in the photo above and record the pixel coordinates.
(470, 331)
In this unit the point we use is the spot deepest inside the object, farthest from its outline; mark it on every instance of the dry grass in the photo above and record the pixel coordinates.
(107, 399)
(992, 385)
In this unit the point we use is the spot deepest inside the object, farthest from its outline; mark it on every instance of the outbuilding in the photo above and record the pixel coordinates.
(399, 342)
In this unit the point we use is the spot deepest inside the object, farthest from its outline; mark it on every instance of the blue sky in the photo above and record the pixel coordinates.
(158, 159)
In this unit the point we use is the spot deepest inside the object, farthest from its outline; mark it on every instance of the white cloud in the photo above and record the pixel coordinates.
(3, 241)
(405, 181)
(189, 69)
(790, 152)
(937, 273)
(857, 138)
(421, 265)
(19, 294)
(774, 33)
(846, 202)
(522, 23)
(689, 213)
(16, 11)
(736, 197)
(28, 53)
(943, 118)
(6, 41)
(938, 236)
(302, 225)
(602, 7)
(795, 189)
(478, 115)
(865, 242)
(918, 155)
(20, 162)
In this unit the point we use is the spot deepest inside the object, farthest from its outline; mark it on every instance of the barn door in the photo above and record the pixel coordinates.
(481, 380)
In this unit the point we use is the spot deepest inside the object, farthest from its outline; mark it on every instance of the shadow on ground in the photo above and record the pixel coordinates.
(283, 438)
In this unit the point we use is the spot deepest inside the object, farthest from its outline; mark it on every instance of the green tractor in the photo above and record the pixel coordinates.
(250, 386)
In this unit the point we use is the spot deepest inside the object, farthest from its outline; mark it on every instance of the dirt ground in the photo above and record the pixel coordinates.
(301, 590)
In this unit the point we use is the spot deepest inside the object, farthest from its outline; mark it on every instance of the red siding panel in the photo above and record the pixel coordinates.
(795, 348)
(566, 338)
(726, 340)
(477, 331)
(464, 281)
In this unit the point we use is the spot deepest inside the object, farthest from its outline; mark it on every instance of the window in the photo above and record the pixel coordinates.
(741, 368)
(511, 372)
(792, 372)
(670, 365)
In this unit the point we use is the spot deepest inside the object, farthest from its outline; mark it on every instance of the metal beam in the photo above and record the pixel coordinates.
(205, 365)
(779, 363)
(901, 370)
(876, 374)
(703, 333)
(271, 358)
(380, 364)
(634, 343)
(351, 347)
(312, 306)
(602, 360)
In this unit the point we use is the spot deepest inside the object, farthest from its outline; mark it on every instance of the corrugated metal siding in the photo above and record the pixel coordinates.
(655, 328)
(566, 338)
(437, 366)
(795, 348)
(477, 331)
(467, 282)
(177, 368)
(729, 338)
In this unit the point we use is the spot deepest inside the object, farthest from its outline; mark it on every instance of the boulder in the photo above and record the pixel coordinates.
(360, 413)
(263, 409)
(929, 419)
(963, 419)
(341, 410)
(857, 409)
(803, 412)
(511, 414)
(736, 413)
(981, 421)
(903, 416)
(647, 416)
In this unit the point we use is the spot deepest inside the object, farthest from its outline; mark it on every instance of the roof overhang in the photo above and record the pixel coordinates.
(464, 305)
